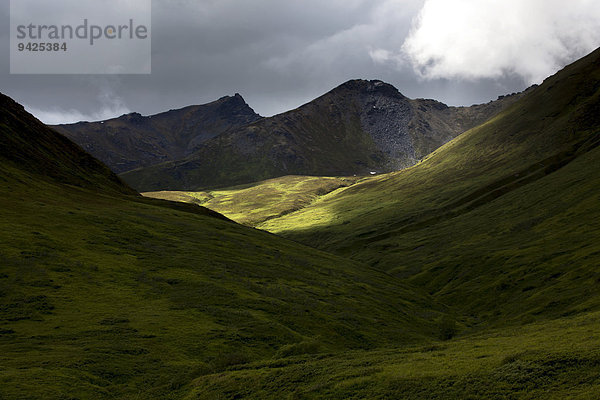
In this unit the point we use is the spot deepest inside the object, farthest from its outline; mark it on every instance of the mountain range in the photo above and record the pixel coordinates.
(358, 128)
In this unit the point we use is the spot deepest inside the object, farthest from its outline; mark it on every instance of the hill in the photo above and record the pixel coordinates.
(133, 141)
(105, 294)
(28, 145)
(256, 203)
(500, 223)
(355, 129)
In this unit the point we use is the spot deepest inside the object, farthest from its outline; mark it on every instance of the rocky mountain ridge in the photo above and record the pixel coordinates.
(360, 127)
(133, 141)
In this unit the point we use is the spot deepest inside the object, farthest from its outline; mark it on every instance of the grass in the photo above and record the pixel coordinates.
(256, 203)
(105, 296)
(551, 360)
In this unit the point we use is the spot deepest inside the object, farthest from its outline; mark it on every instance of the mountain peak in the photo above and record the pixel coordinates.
(370, 86)
(236, 98)
(132, 140)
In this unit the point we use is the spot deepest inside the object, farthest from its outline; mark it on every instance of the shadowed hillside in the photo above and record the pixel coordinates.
(132, 141)
(27, 144)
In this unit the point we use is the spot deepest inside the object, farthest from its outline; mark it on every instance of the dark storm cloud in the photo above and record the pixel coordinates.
(277, 54)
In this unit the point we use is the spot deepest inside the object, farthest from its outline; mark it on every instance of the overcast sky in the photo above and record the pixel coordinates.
(280, 54)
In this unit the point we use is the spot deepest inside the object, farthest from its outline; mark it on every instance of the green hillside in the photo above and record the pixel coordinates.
(501, 223)
(256, 203)
(553, 360)
(105, 294)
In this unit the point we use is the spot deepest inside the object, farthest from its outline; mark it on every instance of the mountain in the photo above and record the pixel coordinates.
(501, 223)
(357, 128)
(105, 294)
(132, 141)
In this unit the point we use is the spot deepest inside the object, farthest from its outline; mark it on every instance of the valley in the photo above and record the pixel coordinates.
(267, 262)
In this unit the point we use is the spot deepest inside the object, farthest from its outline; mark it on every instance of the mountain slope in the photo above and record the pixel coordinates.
(109, 295)
(31, 146)
(132, 141)
(357, 128)
(500, 223)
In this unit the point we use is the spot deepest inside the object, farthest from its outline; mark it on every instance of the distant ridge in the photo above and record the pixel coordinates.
(132, 140)
(357, 128)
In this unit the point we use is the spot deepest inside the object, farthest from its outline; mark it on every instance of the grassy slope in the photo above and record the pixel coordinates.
(107, 298)
(500, 222)
(116, 297)
(551, 360)
(253, 204)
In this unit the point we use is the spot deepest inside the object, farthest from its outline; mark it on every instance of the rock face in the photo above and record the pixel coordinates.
(133, 141)
(357, 128)
(385, 115)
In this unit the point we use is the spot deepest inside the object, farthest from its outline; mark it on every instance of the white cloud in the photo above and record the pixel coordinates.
(111, 106)
(381, 55)
(470, 39)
